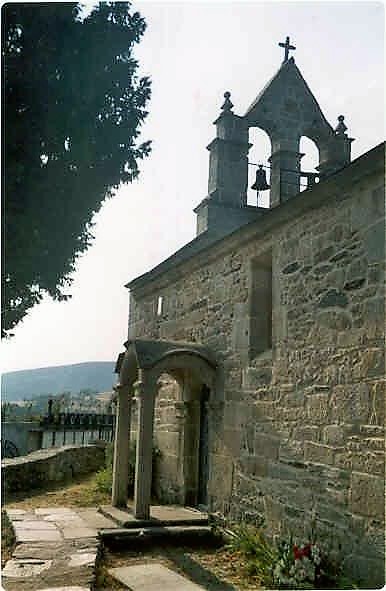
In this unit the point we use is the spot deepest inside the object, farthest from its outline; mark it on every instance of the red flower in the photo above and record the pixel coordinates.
(297, 553)
(300, 552)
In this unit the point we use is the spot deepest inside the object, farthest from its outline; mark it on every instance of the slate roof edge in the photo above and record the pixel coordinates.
(319, 195)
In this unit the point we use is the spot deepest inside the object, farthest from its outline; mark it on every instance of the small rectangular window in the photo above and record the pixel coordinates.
(160, 306)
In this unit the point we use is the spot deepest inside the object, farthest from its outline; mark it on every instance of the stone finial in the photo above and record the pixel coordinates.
(227, 104)
(341, 128)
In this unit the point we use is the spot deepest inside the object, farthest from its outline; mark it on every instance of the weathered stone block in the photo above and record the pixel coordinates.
(374, 242)
(266, 446)
(254, 466)
(351, 403)
(284, 471)
(367, 495)
(321, 454)
(333, 435)
(291, 268)
(274, 513)
(307, 433)
(378, 403)
(333, 298)
(317, 408)
(232, 441)
(370, 571)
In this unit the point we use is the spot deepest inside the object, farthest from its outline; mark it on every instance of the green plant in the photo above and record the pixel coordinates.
(286, 564)
(104, 476)
(259, 553)
(104, 480)
(8, 540)
(82, 125)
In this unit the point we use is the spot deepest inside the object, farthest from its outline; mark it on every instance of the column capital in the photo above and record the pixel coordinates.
(144, 388)
(139, 388)
(121, 389)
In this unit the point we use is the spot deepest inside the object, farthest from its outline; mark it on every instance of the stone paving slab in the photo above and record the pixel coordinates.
(54, 545)
(39, 550)
(54, 511)
(30, 567)
(94, 519)
(29, 535)
(71, 520)
(74, 533)
(82, 559)
(152, 577)
(34, 524)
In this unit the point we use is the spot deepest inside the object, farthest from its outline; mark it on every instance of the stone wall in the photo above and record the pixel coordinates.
(44, 467)
(299, 441)
(25, 435)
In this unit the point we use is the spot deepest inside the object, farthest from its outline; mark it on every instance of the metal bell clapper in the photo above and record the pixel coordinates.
(260, 183)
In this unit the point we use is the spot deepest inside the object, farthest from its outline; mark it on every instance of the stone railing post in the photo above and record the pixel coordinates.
(121, 447)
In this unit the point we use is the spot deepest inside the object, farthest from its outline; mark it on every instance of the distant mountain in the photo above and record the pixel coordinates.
(29, 383)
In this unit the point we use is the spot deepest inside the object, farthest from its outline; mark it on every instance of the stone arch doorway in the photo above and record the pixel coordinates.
(140, 368)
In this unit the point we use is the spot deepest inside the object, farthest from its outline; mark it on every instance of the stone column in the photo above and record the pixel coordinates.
(121, 447)
(191, 449)
(146, 392)
(181, 416)
(285, 171)
(220, 466)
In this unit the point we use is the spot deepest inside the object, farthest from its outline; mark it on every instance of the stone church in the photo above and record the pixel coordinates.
(255, 355)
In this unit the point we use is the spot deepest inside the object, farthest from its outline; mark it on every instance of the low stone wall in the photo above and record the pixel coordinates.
(25, 435)
(48, 466)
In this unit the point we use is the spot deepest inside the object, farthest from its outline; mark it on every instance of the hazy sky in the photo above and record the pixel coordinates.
(194, 51)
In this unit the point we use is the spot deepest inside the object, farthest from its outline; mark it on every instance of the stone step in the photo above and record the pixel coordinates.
(161, 516)
(156, 532)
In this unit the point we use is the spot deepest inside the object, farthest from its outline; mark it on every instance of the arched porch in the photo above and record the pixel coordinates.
(140, 367)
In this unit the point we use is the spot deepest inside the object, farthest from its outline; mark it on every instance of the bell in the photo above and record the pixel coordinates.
(260, 183)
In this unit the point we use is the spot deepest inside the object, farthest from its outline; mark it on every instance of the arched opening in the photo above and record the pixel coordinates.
(310, 160)
(259, 153)
(174, 385)
(182, 431)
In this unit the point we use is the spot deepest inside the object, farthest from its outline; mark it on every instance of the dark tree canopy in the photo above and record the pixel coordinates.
(73, 106)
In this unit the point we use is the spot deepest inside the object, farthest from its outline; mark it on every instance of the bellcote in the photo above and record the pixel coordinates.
(286, 110)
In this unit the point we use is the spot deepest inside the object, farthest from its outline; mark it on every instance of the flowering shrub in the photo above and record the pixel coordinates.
(298, 567)
(285, 565)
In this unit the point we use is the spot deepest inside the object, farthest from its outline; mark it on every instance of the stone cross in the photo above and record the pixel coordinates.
(287, 48)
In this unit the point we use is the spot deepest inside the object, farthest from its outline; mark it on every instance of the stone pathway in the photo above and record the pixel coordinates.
(56, 549)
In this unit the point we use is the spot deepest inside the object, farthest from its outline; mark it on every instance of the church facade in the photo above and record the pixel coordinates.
(256, 352)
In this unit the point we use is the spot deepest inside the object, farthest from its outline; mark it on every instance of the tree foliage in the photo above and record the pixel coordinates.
(74, 105)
